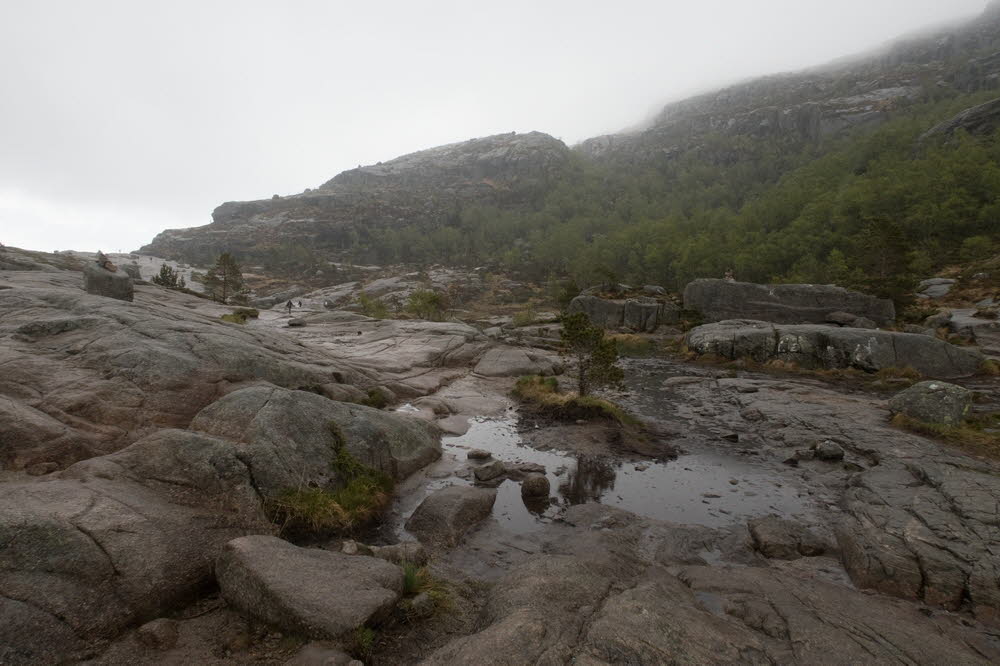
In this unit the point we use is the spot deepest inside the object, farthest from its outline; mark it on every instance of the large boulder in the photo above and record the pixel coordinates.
(117, 540)
(813, 346)
(933, 402)
(291, 438)
(306, 591)
(718, 300)
(446, 515)
(515, 362)
(601, 311)
(102, 282)
(642, 315)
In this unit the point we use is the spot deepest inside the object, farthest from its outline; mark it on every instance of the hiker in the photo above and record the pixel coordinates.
(300, 304)
(289, 306)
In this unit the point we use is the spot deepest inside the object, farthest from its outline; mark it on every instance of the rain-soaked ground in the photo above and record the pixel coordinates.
(710, 482)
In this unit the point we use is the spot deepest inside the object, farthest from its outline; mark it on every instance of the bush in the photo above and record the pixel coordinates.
(251, 313)
(376, 399)
(234, 318)
(635, 346)
(524, 318)
(373, 307)
(427, 304)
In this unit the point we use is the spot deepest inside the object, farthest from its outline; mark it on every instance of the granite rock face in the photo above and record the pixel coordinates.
(813, 346)
(447, 514)
(718, 300)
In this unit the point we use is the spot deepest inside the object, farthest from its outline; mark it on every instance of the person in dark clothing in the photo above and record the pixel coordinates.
(289, 306)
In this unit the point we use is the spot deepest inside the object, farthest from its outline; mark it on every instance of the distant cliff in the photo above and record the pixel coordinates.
(507, 170)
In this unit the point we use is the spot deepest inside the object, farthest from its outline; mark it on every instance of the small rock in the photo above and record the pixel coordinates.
(535, 485)
(296, 322)
(160, 634)
(478, 454)
(407, 551)
(351, 547)
(829, 450)
(490, 471)
(731, 437)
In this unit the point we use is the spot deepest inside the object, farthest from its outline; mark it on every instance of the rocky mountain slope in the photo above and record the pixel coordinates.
(509, 170)
(430, 189)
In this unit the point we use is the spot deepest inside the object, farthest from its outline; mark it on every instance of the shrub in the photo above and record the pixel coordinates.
(417, 580)
(595, 354)
(373, 307)
(990, 367)
(427, 304)
(376, 399)
(634, 346)
(251, 313)
(234, 318)
(524, 318)
(363, 643)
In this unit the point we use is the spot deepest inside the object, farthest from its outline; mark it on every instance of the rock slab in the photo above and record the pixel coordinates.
(447, 514)
(102, 282)
(306, 591)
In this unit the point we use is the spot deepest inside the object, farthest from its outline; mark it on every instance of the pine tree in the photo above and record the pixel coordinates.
(596, 356)
(224, 280)
(168, 277)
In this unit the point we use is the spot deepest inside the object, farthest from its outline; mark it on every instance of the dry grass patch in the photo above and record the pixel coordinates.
(971, 436)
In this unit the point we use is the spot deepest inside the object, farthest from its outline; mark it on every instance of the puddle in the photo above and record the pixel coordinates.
(704, 488)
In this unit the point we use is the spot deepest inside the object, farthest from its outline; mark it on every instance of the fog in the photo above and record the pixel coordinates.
(120, 119)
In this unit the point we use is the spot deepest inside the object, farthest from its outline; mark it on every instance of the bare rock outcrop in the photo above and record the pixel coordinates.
(718, 300)
(86, 375)
(814, 346)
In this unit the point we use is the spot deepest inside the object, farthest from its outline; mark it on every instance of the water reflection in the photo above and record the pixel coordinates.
(589, 479)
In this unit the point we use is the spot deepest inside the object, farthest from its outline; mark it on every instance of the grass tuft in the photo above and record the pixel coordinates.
(990, 367)
(364, 494)
(542, 393)
(363, 643)
(234, 318)
(634, 346)
(970, 436)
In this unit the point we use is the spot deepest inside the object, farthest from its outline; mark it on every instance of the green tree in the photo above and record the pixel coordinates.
(169, 278)
(224, 280)
(596, 356)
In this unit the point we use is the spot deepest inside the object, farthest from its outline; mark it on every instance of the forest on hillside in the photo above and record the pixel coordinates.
(873, 209)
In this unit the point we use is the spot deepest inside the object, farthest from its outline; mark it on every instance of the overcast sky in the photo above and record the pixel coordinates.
(120, 119)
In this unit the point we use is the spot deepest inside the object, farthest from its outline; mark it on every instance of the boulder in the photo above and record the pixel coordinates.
(446, 515)
(291, 438)
(933, 402)
(535, 485)
(306, 591)
(641, 315)
(490, 471)
(601, 312)
(829, 450)
(938, 320)
(402, 553)
(813, 346)
(719, 300)
(117, 540)
(159, 634)
(515, 362)
(780, 539)
(102, 282)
